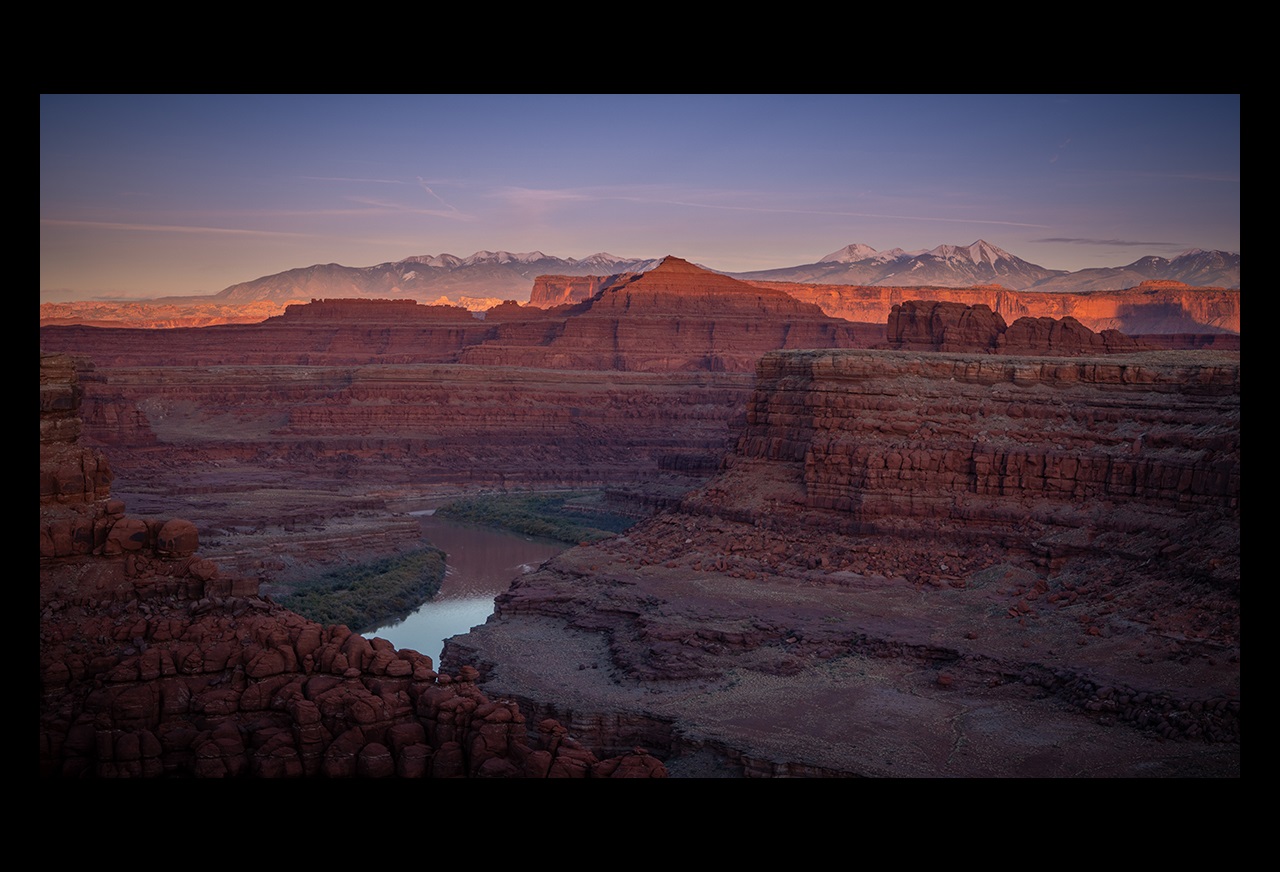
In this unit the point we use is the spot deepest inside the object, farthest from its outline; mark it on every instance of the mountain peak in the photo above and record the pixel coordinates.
(979, 252)
(851, 253)
(672, 264)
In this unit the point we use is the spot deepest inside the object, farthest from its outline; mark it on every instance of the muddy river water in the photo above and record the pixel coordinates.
(480, 564)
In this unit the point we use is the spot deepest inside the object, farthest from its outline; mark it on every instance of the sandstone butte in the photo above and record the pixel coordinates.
(1016, 482)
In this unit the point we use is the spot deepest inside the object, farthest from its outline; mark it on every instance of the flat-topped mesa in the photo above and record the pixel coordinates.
(328, 332)
(365, 310)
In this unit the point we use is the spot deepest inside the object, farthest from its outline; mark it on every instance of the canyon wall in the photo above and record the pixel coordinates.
(304, 428)
(282, 466)
(917, 564)
(153, 663)
(1151, 307)
(153, 314)
(947, 443)
(551, 291)
(320, 333)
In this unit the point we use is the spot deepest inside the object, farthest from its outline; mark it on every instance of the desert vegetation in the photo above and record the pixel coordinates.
(364, 595)
(566, 516)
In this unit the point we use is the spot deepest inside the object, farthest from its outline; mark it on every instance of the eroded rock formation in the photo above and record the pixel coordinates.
(154, 664)
(930, 325)
(1149, 308)
(917, 564)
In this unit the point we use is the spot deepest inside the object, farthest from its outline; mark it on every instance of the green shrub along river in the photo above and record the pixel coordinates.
(369, 594)
(567, 516)
(366, 594)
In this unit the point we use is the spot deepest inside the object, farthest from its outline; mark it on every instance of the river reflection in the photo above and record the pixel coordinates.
(480, 564)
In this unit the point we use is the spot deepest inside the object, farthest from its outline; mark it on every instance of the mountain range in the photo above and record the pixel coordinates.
(502, 275)
(956, 266)
(488, 274)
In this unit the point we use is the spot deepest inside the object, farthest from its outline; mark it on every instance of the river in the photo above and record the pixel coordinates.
(480, 563)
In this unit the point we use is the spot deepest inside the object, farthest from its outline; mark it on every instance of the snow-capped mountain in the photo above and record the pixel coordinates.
(1220, 269)
(850, 254)
(510, 276)
(945, 266)
(496, 274)
(981, 263)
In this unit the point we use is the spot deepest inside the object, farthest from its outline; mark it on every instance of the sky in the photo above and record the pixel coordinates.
(153, 195)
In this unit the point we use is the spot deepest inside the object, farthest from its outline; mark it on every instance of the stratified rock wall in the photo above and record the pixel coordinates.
(918, 565)
(154, 664)
(429, 425)
(550, 291)
(1151, 307)
(893, 441)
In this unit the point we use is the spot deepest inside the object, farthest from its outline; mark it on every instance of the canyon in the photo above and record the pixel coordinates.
(917, 565)
(945, 541)
(155, 663)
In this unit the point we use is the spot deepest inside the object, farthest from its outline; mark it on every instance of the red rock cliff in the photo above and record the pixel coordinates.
(929, 325)
(919, 565)
(1152, 307)
(154, 664)
(895, 440)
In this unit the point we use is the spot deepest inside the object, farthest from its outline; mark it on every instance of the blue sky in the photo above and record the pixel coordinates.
(147, 195)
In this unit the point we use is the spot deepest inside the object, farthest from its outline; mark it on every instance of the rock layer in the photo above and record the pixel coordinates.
(1148, 308)
(154, 664)
(917, 565)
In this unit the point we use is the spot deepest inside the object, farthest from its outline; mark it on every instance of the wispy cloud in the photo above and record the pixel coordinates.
(450, 211)
(531, 197)
(840, 213)
(167, 228)
(1119, 243)
(434, 195)
(549, 196)
(347, 179)
(375, 206)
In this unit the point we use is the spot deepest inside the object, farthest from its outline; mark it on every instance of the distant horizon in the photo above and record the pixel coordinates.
(145, 196)
(107, 296)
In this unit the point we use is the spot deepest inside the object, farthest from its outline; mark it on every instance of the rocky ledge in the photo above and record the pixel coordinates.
(916, 565)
